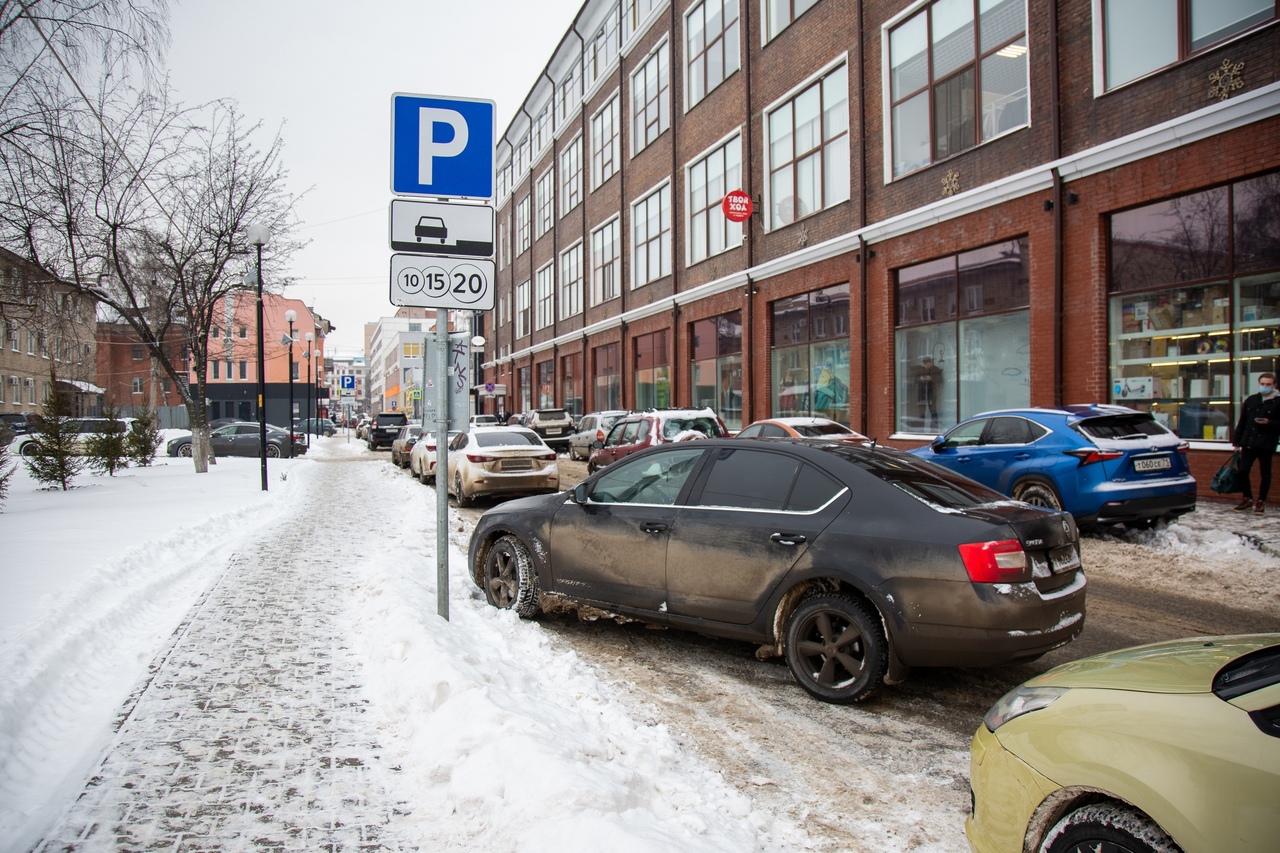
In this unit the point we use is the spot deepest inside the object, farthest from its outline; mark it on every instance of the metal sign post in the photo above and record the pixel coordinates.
(442, 463)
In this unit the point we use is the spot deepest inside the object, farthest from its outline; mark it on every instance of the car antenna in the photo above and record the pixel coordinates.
(873, 443)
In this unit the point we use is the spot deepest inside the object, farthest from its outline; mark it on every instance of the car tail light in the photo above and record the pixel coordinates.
(1183, 446)
(431, 445)
(1089, 455)
(550, 455)
(480, 458)
(994, 562)
(599, 435)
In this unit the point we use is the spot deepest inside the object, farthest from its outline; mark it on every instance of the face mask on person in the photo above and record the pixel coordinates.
(1266, 390)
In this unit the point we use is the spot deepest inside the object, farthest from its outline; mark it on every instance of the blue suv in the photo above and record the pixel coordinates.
(1103, 464)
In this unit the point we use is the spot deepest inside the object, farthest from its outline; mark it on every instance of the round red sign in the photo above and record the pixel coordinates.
(737, 206)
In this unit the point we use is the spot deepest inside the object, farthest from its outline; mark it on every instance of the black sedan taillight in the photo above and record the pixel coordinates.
(1001, 561)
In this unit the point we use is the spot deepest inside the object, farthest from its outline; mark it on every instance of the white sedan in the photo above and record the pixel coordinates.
(422, 459)
(500, 460)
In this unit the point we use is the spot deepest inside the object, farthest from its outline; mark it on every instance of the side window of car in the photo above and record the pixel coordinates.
(967, 435)
(629, 434)
(749, 479)
(643, 432)
(459, 441)
(751, 432)
(773, 431)
(614, 438)
(813, 489)
(1006, 430)
(655, 479)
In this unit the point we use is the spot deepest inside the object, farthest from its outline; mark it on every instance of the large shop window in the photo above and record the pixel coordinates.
(1195, 310)
(809, 150)
(653, 371)
(1142, 36)
(717, 366)
(571, 383)
(953, 84)
(963, 338)
(607, 377)
(810, 354)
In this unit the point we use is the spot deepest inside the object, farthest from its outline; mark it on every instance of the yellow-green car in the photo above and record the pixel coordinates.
(1168, 747)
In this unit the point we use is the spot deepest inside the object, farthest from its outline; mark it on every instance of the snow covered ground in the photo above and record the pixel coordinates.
(496, 735)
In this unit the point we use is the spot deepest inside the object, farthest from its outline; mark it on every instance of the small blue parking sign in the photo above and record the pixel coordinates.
(442, 146)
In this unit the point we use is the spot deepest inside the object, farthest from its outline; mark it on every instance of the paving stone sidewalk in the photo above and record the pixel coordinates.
(249, 734)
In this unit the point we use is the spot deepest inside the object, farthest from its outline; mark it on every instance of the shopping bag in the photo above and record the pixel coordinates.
(1227, 480)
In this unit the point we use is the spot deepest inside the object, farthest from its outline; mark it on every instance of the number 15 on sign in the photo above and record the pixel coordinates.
(425, 281)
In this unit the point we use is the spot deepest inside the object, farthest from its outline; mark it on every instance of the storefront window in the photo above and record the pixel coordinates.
(963, 343)
(546, 385)
(717, 366)
(810, 354)
(653, 371)
(607, 377)
(524, 389)
(1189, 333)
(570, 384)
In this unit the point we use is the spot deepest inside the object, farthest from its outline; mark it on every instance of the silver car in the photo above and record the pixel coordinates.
(592, 428)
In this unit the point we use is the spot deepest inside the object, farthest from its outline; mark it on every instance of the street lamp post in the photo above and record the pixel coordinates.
(260, 235)
(290, 316)
(311, 338)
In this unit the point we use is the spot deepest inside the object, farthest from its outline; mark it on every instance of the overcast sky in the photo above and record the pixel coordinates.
(323, 72)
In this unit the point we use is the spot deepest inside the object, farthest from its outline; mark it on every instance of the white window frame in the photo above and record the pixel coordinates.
(723, 37)
(571, 175)
(614, 142)
(766, 19)
(523, 296)
(638, 219)
(545, 189)
(815, 79)
(659, 58)
(524, 225)
(733, 231)
(598, 296)
(571, 281)
(136, 385)
(569, 102)
(544, 296)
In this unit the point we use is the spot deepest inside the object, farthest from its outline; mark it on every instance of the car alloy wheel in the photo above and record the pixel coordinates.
(185, 450)
(462, 497)
(836, 648)
(273, 452)
(1038, 494)
(509, 580)
(30, 449)
(1107, 828)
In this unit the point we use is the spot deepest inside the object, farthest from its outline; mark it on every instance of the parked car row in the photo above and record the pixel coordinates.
(241, 438)
(484, 461)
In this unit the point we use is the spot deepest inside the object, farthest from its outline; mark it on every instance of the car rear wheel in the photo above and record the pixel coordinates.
(30, 449)
(273, 452)
(462, 498)
(1108, 828)
(836, 648)
(509, 580)
(1038, 494)
(185, 450)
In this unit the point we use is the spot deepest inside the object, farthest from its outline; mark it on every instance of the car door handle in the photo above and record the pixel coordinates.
(654, 527)
(1021, 457)
(962, 459)
(788, 538)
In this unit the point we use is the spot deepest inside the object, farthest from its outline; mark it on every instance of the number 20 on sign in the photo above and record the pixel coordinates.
(424, 281)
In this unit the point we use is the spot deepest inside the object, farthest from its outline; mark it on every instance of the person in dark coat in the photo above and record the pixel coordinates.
(1256, 435)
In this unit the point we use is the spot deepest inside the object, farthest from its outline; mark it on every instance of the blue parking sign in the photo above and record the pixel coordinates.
(442, 146)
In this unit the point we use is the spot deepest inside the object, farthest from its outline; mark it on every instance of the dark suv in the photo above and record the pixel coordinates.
(652, 427)
(385, 428)
(553, 426)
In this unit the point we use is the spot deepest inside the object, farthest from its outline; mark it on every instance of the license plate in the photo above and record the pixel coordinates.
(1159, 463)
(553, 431)
(517, 465)
(1063, 559)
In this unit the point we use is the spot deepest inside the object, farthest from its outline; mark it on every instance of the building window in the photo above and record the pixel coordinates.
(571, 281)
(604, 143)
(11, 329)
(244, 369)
(1195, 305)
(545, 297)
(605, 263)
(522, 226)
(809, 150)
(522, 309)
(710, 178)
(600, 50)
(546, 191)
(571, 384)
(650, 100)
(504, 243)
(569, 94)
(541, 134)
(1141, 37)
(571, 175)
(137, 385)
(43, 340)
(711, 34)
(166, 386)
(31, 342)
(651, 237)
(939, 62)
(607, 377)
(781, 13)
(716, 368)
(216, 369)
(213, 334)
(524, 157)
(653, 371)
(2, 390)
(31, 391)
(546, 385)
(635, 13)
(963, 338)
(810, 354)
(244, 333)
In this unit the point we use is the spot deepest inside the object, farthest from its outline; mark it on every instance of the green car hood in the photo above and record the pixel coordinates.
(1177, 666)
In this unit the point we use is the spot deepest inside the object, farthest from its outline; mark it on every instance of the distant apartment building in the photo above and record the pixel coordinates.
(959, 205)
(393, 357)
(352, 403)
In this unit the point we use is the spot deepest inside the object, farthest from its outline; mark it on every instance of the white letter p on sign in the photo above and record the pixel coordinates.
(428, 148)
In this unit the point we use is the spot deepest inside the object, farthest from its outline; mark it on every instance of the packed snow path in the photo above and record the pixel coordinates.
(252, 731)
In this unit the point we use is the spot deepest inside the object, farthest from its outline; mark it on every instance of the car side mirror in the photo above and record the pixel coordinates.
(597, 444)
(938, 443)
(580, 493)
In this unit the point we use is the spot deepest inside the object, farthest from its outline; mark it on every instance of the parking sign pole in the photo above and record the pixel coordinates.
(442, 461)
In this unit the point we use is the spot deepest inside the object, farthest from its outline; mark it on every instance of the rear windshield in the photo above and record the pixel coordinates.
(507, 438)
(922, 480)
(552, 415)
(672, 427)
(1121, 426)
(816, 430)
(401, 419)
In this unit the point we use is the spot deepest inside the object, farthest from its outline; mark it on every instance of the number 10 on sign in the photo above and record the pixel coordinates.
(426, 281)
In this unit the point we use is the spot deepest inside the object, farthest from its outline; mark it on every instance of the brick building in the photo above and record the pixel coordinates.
(959, 205)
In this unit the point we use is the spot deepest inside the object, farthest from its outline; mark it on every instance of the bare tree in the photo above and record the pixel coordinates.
(145, 204)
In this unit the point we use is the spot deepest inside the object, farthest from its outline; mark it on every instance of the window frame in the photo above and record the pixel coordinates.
(690, 58)
(712, 209)
(613, 105)
(659, 101)
(571, 289)
(597, 285)
(523, 308)
(817, 79)
(545, 190)
(524, 224)
(571, 175)
(665, 259)
(766, 19)
(544, 296)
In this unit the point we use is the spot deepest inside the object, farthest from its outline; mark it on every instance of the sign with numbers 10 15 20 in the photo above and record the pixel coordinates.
(427, 281)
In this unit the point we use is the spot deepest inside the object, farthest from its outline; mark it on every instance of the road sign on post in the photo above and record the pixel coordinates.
(442, 146)
(442, 228)
(428, 281)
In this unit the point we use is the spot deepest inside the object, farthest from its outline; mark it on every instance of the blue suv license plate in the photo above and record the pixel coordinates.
(1159, 463)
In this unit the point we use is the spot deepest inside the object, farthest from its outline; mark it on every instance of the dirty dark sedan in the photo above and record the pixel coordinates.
(856, 563)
